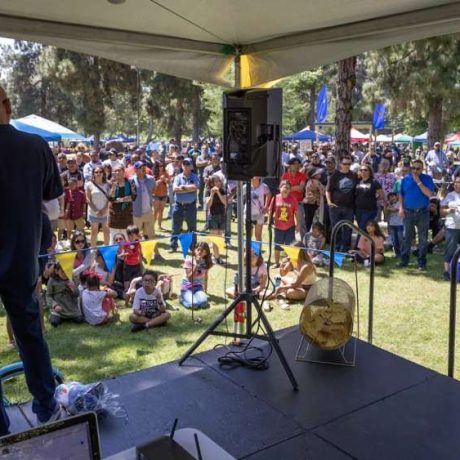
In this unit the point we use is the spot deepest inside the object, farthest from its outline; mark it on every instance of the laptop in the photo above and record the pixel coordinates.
(71, 438)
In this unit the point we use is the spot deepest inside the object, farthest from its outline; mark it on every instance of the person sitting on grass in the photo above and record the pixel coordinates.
(149, 308)
(296, 279)
(194, 285)
(259, 276)
(98, 305)
(363, 253)
(284, 208)
(62, 296)
(316, 239)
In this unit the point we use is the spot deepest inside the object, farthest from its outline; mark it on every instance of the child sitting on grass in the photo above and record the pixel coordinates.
(149, 309)
(363, 253)
(316, 239)
(98, 304)
(62, 296)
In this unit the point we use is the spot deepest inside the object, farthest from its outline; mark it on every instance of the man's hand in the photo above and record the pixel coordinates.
(332, 205)
(402, 214)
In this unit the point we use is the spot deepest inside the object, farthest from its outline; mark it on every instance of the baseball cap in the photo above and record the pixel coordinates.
(293, 160)
(187, 162)
(113, 150)
(138, 164)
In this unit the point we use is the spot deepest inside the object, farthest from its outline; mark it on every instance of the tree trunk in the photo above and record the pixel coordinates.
(435, 122)
(346, 81)
(179, 122)
(97, 141)
(150, 131)
(196, 112)
(311, 113)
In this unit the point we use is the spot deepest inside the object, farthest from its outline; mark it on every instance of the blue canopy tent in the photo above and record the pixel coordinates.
(53, 127)
(307, 134)
(43, 133)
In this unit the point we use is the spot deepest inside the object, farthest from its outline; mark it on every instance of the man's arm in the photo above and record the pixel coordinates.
(52, 184)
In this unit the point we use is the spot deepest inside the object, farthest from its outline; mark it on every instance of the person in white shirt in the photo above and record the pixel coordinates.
(450, 209)
(149, 308)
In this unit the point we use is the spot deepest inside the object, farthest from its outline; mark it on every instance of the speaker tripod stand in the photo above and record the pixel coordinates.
(251, 301)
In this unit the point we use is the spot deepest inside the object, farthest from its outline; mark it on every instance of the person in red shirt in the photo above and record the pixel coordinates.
(132, 256)
(284, 208)
(297, 181)
(74, 207)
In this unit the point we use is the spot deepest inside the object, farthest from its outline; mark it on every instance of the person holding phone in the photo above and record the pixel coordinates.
(415, 193)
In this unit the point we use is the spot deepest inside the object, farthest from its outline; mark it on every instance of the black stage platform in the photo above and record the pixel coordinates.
(384, 408)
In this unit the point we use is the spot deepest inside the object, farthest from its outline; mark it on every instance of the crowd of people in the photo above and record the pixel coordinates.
(120, 196)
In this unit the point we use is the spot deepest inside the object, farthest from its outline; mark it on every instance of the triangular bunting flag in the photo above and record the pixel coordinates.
(66, 260)
(256, 247)
(292, 252)
(185, 242)
(218, 241)
(338, 257)
(148, 249)
(109, 254)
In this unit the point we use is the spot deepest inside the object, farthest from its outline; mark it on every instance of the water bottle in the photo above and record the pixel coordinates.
(277, 281)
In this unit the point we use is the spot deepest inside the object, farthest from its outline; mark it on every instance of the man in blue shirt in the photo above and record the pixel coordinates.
(416, 190)
(29, 175)
(185, 187)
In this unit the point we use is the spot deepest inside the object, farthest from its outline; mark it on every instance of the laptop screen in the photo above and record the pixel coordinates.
(64, 440)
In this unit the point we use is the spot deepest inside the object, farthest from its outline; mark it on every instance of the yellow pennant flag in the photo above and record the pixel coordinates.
(292, 252)
(218, 241)
(148, 249)
(66, 260)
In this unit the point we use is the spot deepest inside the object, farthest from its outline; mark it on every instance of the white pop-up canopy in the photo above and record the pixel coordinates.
(196, 39)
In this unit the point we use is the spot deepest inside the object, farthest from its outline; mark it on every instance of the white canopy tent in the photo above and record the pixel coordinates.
(197, 39)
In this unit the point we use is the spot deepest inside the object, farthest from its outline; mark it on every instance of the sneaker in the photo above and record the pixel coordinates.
(446, 276)
(172, 250)
(56, 415)
(276, 265)
(422, 268)
(285, 306)
(267, 307)
(137, 327)
(402, 265)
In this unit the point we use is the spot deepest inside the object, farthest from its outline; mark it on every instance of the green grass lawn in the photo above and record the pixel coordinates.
(411, 312)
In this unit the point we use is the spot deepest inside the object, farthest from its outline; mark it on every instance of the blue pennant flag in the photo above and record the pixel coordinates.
(109, 254)
(256, 247)
(321, 105)
(338, 257)
(378, 120)
(185, 242)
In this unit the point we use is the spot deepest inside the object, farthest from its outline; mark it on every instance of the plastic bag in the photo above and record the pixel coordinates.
(76, 398)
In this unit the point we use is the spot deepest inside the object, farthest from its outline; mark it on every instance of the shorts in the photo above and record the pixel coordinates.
(98, 220)
(216, 222)
(131, 271)
(160, 198)
(286, 237)
(258, 220)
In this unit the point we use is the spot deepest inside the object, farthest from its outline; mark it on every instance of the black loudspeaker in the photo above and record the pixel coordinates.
(252, 133)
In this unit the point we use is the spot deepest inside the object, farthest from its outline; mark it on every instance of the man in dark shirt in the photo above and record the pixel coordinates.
(28, 176)
(340, 192)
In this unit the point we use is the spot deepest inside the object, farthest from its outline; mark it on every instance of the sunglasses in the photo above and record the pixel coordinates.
(119, 240)
(346, 164)
(149, 280)
(80, 241)
(98, 172)
(415, 168)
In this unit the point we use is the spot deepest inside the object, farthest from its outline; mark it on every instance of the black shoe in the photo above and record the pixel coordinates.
(78, 320)
(137, 327)
(446, 276)
(55, 320)
(172, 250)
(402, 264)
